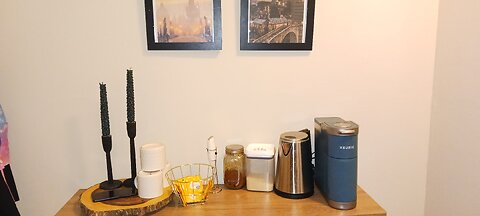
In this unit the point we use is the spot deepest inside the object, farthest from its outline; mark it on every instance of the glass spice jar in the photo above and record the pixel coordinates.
(234, 167)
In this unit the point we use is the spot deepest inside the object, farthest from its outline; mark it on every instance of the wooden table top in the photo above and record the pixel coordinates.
(243, 202)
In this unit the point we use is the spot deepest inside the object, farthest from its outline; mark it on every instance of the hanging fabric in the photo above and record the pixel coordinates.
(8, 189)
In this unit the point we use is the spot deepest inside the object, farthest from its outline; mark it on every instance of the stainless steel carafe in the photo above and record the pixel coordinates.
(294, 177)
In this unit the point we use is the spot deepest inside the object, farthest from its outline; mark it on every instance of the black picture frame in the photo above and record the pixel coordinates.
(154, 43)
(289, 42)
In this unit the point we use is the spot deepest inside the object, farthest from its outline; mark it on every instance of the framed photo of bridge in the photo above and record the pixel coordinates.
(183, 24)
(276, 24)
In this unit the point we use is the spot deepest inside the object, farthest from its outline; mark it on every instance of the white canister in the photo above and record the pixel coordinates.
(260, 166)
(152, 157)
(149, 184)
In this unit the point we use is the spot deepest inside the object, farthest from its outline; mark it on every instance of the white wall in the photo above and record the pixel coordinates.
(453, 176)
(372, 63)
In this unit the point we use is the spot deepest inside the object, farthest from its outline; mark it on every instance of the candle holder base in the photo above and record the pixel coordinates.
(130, 183)
(110, 185)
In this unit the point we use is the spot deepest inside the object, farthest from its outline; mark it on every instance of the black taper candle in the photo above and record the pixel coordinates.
(110, 184)
(104, 110)
(130, 97)
(131, 128)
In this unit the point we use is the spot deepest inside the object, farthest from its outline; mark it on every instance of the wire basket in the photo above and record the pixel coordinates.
(191, 182)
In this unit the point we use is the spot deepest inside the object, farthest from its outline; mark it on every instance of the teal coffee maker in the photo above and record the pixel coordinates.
(336, 161)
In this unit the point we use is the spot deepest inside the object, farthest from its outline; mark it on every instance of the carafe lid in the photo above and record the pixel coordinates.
(293, 137)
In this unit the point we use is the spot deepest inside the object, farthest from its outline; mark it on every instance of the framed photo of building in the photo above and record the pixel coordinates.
(276, 24)
(183, 24)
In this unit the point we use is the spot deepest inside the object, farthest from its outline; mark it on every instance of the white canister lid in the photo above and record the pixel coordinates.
(260, 150)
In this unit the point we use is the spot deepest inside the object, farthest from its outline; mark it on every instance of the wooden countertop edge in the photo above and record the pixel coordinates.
(74, 204)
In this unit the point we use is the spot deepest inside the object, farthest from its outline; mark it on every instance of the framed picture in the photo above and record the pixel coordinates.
(183, 24)
(276, 24)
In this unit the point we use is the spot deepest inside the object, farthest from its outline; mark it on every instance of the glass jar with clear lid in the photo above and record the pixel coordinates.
(234, 167)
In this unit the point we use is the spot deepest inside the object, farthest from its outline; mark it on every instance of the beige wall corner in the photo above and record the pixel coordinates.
(453, 167)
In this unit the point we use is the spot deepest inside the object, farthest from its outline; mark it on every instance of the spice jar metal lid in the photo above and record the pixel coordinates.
(234, 149)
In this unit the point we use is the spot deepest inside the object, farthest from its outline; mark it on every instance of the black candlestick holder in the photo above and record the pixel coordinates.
(132, 133)
(109, 184)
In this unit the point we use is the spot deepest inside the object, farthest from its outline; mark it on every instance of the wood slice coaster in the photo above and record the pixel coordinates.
(133, 205)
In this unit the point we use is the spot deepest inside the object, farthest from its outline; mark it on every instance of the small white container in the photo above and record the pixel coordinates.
(260, 166)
